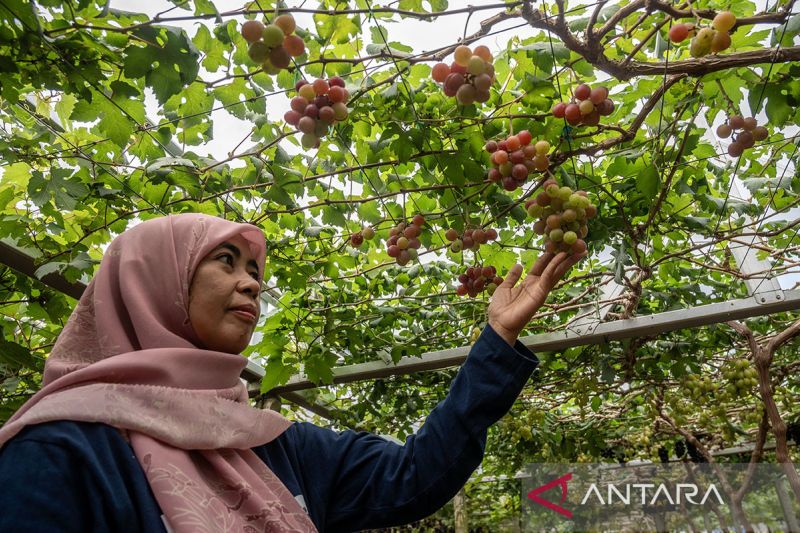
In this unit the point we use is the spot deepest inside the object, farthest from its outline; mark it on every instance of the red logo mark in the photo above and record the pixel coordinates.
(562, 481)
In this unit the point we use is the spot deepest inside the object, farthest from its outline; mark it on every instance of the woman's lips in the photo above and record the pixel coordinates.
(244, 315)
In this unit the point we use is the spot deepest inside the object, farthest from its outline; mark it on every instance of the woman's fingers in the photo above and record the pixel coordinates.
(549, 277)
(512, 276)
(540, 264)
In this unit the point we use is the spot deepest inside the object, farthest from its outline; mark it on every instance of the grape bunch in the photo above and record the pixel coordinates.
(750, 134)
(273, 46)
(713, 39)
(471, 239)
(515, 157)
(478, 278)
(317, 106)
(587, 106)
(358, 238)
(469, 77)
(562, 217)
(403, 242)
(741, 376)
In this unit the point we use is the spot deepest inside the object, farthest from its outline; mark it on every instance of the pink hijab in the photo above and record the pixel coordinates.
(128, 357)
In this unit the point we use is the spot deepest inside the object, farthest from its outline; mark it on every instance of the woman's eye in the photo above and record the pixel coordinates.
(227, 256)
(255, 276)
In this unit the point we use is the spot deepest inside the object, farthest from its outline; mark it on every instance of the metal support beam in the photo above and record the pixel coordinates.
(591, 315)
(641, 326)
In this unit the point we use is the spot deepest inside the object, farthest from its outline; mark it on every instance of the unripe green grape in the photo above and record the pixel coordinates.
(580, 213)
(570, 237)
(456, 246)
(308, 140)
(552, 191)
(258, 52)
(569, 215)
(556, 235)
(476, 66)
(272, 35)
(565, 193)
(412, 253)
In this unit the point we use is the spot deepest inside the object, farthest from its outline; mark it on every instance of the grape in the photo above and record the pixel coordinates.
(336, 81)
(573, 114)
(451, 234)
(298, 103)
(558, 110)
(499, 157)
(312, 110)
(356, 239)
(506, 168)
(476, 66)
(440, 72)
(502, 146)
(466, 94)
(292, 117)
(411, 231)
(307, 92)
(760, 133)
(551, 190)
(368, 232)
(480, 236)
(294, 45)
(482, 82)
(724, 131)
(456, 246)
(598, 94)
(517, 157)
(403, 257)
(698, 49)
(494, 175)
(591, 211)
(570, 237)
(340, 111)
(720, 42)
(586, 107)
(258, 52)
(736, 122)
(280, 57)
(735, 149)
(453, 82)
(306, 125)
(491, 234)
(554, 222)
(582, 91)
(749, 123)
(326, 114)
(458, 69)
(525, 137)
(678, 33)
(704, 37)
(606, 107)
(520, 172)
(269, 68)
(542, 147)
(491, 146)
(412, 253)
(592, 119)
(541, 163)
(513, 143)
(550, 247)
(568, 215)
(462, 55)
(543, 200)
(320, 87)
(484, 53)
(724, 21)
(482, 96)
(272, 35)
(251, 30)
(321, 101)
(556, 235)
(529, 151)
(286, 23)
(336, 94)
(564, 193)
(745, 138)
(540, 227)
(509, 183)
(418, 220)
(309, 140)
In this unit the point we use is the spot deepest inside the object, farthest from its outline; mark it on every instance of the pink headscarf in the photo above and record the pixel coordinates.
(128, 357)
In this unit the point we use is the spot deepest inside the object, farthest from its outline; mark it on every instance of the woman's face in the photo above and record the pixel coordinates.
(224, 303)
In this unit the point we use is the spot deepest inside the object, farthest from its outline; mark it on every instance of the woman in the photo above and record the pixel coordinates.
(142, 423)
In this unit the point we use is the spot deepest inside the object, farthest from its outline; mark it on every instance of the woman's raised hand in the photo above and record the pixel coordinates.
(511, 308)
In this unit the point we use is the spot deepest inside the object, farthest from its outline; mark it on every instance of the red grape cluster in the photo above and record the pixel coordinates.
(273, 46)
(469, 77)
(587, 107)
(358, 238)
(470, 240)
(403, 242)
(750, 133)
(477, 279)
(316, 107)
(515, 157)
(713, 39)
(563, 215)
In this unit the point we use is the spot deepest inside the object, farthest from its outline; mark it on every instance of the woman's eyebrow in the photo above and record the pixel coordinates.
(237, 253)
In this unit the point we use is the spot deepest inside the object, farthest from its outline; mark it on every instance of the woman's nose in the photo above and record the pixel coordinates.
(248, 284)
